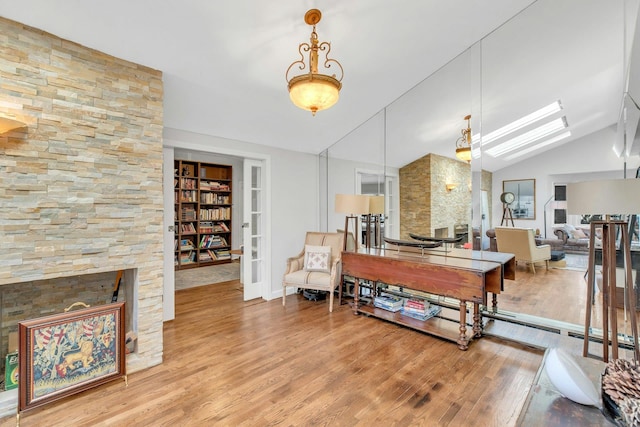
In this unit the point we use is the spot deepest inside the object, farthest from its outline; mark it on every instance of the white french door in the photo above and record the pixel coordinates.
(253, 229)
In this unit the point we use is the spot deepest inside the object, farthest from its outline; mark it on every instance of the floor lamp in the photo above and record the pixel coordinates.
(610, 197)
(376, 210)
(353, 205)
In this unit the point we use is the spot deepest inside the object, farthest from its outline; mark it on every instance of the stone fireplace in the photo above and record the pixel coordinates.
(427, 207)
(80, 184)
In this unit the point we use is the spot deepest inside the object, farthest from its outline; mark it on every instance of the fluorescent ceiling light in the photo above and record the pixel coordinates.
(523, 122)
(557, 138)
(528, 137)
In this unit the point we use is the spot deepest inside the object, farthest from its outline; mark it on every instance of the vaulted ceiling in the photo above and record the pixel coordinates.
(224, 63)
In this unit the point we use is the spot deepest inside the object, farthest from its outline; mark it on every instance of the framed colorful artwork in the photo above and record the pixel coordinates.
(67, 353)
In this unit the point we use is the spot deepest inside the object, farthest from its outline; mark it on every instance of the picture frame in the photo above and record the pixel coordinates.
(67, 353)
(524, 204)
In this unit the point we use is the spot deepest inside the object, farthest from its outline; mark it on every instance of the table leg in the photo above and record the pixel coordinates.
(477, 324)
(356, 292)
(463, 341)
(494, 303)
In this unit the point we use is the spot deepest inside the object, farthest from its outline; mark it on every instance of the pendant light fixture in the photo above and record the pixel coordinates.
(463, 144)
(314, 91)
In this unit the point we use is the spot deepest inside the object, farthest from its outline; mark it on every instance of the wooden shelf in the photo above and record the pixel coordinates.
(202, 210)
(444, 325)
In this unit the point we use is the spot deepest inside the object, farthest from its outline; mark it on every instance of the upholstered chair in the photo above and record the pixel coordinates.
(521, 242)
(317, 266)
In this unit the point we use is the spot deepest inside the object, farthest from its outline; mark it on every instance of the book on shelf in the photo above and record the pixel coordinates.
(206, 227)
(416, 303)
(215, 213)
(210, 227)
(188, 214)
(188, 183)
(222, 254)
(388, 302)
(188, 196)
(221, 227)
(214, 199)
(212, 241)
(430, 312)
(187, 257)
(213, 186)
(187, 228)
(186, 244)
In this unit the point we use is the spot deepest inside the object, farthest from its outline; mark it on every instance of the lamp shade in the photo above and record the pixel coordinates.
(352, 204)
(464, 154)
(314, 92)
(604, 197)
(376, 205)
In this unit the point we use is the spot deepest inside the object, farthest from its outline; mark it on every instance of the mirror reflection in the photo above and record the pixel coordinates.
(519, 196)
(544, 92)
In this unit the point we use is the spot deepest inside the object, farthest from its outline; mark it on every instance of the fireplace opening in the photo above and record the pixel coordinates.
(461, 230)
(441, 233)
(33, 299)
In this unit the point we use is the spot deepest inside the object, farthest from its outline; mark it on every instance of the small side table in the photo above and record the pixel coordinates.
(545, 406)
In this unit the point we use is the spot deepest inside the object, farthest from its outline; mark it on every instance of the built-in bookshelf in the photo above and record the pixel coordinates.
(202, 213)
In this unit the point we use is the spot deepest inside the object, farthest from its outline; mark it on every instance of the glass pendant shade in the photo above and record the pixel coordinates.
(464, 154)
(314, 92)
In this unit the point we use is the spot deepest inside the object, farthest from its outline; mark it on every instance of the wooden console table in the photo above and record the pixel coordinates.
(467, 280)
(506, 260)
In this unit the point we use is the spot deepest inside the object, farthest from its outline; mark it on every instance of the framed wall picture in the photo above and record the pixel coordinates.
(67, 353)
(524, 203)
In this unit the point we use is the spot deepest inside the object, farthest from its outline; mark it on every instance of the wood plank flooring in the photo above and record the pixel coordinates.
(558, 294)
(234, 363)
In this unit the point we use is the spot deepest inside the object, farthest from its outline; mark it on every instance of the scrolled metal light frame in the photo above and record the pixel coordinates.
(314, 91)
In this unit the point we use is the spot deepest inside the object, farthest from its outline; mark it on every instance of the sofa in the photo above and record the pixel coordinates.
(575, 239)
(555, 244)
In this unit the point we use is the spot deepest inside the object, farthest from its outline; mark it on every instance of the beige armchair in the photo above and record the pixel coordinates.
(521, 242)
(303, 272)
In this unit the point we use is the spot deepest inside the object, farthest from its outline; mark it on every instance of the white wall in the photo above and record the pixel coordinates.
(294, 192)
(587, 158)
(342, 180)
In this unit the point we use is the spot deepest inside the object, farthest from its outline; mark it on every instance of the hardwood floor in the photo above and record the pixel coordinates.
(558, 294)
(231, 363)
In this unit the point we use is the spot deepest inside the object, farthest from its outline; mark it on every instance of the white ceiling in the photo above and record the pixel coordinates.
(224, 63)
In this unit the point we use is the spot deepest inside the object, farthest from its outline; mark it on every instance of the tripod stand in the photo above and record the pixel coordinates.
(507, 215)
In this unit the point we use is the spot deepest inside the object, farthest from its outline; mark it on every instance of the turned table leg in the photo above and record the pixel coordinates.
(356, 293)
(477, 320)
(463, 341)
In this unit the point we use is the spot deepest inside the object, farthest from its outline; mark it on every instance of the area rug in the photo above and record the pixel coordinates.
(192, 277)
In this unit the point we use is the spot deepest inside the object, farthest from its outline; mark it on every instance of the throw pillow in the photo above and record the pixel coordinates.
(578, 234)
(317, 258)
(568, 228)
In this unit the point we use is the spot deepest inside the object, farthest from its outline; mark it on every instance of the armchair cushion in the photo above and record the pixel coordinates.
(317, 258)
(309, 279)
